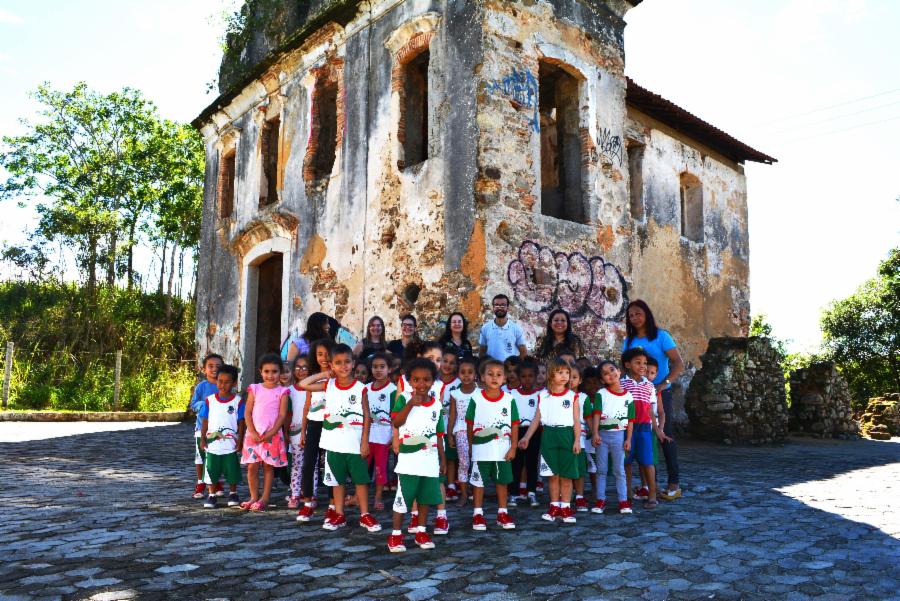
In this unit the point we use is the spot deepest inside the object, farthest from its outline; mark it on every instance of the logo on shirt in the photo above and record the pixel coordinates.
(230, 409)
(434, 415)
(531, 403)
(567, 403)
(352, 399)
(382, 397)
(504, 412)
(509, 346)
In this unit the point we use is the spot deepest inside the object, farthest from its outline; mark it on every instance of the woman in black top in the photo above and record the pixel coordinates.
(408, 337)
(373, 341)
(455, 338)
(559, 338)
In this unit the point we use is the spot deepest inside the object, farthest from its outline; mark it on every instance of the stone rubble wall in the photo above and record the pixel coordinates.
(881, 419)
(820, 403)
(738, 396)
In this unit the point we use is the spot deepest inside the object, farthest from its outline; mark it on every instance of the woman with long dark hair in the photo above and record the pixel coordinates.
(373, 340)
(455, 338)
(641, 331)
(318, 326)
(409, 337)
(559, 338)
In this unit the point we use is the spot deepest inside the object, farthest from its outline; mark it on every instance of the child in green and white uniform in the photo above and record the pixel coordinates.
(492, 422)
(221, 436)
(585, 458)
(450, 379)
(560, 414)
(345, 436)
(418, 418)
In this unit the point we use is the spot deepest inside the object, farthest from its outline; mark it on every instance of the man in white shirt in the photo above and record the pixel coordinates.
(501, 337)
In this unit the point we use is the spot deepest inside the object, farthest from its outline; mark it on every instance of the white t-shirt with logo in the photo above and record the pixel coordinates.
(461, 399)
(556, 408)
(316, 406)
(526, 405)
(501, 341)
(381, 430)
(419, 438)
(492, 422)
(297, 398)
(342, 425)
(222, 423)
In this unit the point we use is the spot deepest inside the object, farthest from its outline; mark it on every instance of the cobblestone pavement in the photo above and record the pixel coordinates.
(108, 515)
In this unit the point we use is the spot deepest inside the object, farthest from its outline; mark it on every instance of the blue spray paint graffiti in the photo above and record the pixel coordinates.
(521, 88)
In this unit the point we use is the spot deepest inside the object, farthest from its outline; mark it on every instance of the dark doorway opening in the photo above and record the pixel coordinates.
(268, 308)
(415, 109)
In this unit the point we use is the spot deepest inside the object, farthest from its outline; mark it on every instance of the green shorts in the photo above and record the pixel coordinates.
(556, 451)
(499, 472)
(217, 466)
(424, 490)
(340, 465)
(582, 464)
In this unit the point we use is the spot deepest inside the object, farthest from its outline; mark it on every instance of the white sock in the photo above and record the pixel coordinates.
(422, 529)
(563, 505)
(414, 514)
(331, 507)
(199, 481)
(308, 503)
(396, 533)
(501, 510)
(478, 511)
(451, 486)
(442, 513)
(579, 497)
(555, 504)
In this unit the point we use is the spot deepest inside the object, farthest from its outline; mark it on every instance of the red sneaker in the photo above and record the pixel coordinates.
(199, 491)
(441, 525)
(330, 514)
(452, 495)
(581, 504)
(642, 493)
(413, 527)
(395, 543)
(219, 490)
(338, 521)
(567, 515)
(424, 541)
(599, 506)
(505, 522)
(305, 513)
(551, 514)
(478, 522)
(368, 521)
(625, 507)
(540, 486)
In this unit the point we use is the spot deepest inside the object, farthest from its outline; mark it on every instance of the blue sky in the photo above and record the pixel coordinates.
(815, 83)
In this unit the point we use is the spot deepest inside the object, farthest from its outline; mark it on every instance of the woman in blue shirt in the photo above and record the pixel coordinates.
(642, 332)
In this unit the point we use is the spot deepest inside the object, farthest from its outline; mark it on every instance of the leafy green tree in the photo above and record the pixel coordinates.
(862, 332)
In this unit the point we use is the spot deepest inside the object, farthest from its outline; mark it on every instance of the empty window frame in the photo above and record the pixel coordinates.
(562, 195)
(226, 183)
(268, 179)
(691, 205)
(413, 127)
(636, 180)
(324, 128)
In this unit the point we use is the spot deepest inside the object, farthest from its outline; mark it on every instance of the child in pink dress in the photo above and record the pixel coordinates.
(264, 441)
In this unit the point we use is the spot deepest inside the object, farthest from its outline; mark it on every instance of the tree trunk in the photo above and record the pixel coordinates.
(180, 270)
(131, 243)
(111, 258)
(92, 264)
(171, 282)
(162, 267)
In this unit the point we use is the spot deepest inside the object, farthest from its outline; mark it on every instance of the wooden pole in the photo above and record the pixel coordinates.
(118, 380)
(7, 373)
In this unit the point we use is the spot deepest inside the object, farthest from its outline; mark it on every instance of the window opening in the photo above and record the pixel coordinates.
(561, 157)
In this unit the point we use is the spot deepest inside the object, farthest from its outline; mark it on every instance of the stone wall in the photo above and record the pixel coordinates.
(881, 419)
(820, 403)
(738, 395)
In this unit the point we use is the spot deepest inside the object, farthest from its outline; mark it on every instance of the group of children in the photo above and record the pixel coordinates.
(450, 422)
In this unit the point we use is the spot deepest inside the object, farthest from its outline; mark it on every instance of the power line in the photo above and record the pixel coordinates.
(831, 106)
(837, 131)
(871, 108)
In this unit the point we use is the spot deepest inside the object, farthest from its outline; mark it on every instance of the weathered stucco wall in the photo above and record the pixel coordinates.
(380, 236)
(698, 290)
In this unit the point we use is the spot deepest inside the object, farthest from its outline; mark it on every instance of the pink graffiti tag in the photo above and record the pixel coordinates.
(587, 288)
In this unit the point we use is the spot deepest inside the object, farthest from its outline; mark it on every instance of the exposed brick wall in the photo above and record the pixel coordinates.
(329, 74)
(417, 44)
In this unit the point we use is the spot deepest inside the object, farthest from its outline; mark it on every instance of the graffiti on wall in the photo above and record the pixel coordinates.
(521, 88)
(608, 146)
(589, 288)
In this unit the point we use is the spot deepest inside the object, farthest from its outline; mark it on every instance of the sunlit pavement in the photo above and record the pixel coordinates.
(104, 511)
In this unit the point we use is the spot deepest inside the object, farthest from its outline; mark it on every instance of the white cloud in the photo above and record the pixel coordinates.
(9, 18)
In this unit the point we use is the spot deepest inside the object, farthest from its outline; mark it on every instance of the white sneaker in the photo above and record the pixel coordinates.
(532, 499)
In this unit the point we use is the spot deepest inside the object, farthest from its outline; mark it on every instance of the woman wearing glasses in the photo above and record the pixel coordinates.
(409, 337)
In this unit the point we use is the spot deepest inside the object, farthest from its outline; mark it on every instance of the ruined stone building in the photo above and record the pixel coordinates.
(390, 156)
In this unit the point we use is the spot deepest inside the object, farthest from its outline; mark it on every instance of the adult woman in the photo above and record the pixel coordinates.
(318, 326)
(641, 331)
(559, 338)
(455, 338)
(408, 336)
(373, 340)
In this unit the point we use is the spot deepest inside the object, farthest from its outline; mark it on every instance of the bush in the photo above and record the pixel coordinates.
(66, 341)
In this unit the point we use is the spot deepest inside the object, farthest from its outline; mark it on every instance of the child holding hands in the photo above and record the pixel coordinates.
(221, 436)
(611, 427)
(264, 444)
